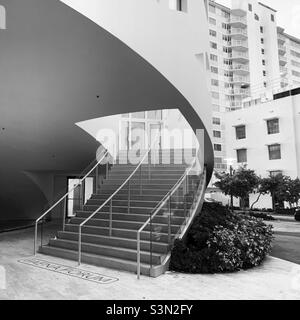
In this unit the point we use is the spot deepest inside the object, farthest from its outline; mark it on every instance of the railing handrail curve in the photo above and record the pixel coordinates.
(112, 196)
(63, 198)
(119, 189)
(65, 195)
(167, 196)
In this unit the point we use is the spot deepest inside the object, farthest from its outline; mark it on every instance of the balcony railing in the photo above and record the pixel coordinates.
(283, 70)
(240, 67)
(281, 38)
(239, 43)
(239, 55)
(241, 79)
(239, 32)
(238, 20)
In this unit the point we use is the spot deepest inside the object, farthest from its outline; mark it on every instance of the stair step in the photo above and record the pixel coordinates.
(109, 251)
(137, 197)
(94, 259)
(133, 210)
(157, 247)
(133, 203)
(161, 237)
(131, 217)
(119, 224)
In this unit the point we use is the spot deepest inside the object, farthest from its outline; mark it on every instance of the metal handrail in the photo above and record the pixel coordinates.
(156, 211)
(110, 199)
(63, 198)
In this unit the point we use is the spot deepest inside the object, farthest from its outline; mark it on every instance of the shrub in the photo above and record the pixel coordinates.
(221, 241)
(261, 215)
(285, 211)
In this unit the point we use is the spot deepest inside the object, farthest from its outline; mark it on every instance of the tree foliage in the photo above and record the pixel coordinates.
(240, 184)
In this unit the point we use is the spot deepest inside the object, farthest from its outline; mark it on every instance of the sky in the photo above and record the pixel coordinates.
(288, 13)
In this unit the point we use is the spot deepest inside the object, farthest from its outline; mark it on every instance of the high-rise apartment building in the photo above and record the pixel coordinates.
(251, 58)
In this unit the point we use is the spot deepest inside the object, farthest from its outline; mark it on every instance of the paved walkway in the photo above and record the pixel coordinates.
(287, 239)
(275, 279)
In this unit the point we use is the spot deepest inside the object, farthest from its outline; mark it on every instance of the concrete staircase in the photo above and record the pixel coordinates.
(119, 250)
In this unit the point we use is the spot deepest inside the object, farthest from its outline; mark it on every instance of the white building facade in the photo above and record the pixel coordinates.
(266, 138)
(251, 58)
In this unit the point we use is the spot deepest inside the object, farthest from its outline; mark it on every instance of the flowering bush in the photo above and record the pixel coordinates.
(222, 241)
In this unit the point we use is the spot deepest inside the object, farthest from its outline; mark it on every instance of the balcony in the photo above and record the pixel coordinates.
(283, 70)
(281, 49)
(240, 69)
(239, 33)
(238, 22)
(241, 80)
(281, 38)
(237, 56)
(282, 60)
(239, 45)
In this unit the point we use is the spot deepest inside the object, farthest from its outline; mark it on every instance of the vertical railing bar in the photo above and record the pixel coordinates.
(64, 213)
(138, 256)
(169, 221)
(97, 178)
(129, 196)
(140, 180)
(79, 246)
(110, 217)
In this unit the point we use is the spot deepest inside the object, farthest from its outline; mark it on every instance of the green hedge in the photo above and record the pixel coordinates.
(222, 241)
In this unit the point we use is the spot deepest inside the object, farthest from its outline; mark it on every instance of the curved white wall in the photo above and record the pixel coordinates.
(175, 43)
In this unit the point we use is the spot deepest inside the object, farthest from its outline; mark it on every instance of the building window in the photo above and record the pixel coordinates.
(215, 95)
(295, 73)
(263, 62)
(216, 121)
(250, 7)
(216, 108)
(212, 9)
(262, 41)
(212, 21)
(179, 5)
(295, 54)
(262, 51)
(256, 17)
(265, 84)
(273, 126)
(213, 45)
(212, 33)
(217, 147)
(264, 73)
(261, 29)
(214, 70)
(272, 17)
(241, 155)
(240, 132)
(274, 152)
(217, 134)
(215, 82)
(213, 57)
(275, 173)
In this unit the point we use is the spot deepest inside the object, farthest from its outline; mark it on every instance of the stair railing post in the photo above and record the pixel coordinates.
(81, 195)
(106, 173)
(97, 178)
(79, 246)
(110, 217)
(140, 180)
(169, 221)
(64, 213)
(138, 256)
(129, 196)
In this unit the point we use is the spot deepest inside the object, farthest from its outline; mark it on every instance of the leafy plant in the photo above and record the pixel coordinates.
(222, 241)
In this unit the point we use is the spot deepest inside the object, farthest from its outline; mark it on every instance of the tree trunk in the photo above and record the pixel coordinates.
(252, 205)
